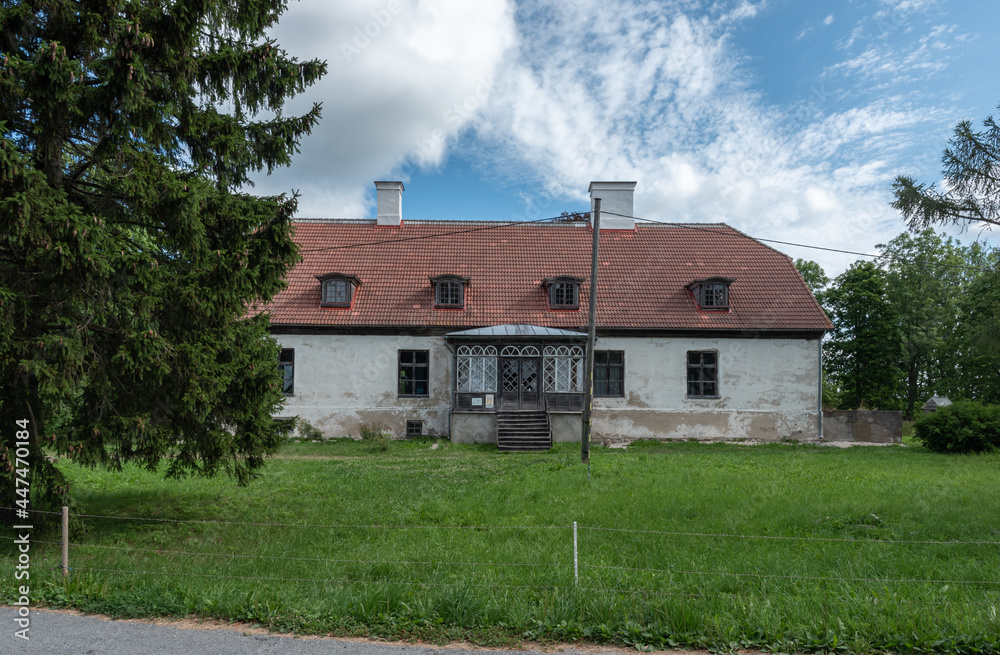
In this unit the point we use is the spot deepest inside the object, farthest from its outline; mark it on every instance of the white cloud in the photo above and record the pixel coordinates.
(404, 78)
(826, 21)
(744, 11)
(909, 5)
(676, 115)
(549, 95)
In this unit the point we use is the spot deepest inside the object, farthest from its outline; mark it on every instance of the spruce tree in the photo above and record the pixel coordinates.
(972, 188)
(131, 258)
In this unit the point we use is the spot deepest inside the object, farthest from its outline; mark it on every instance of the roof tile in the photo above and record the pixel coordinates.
(642, 276)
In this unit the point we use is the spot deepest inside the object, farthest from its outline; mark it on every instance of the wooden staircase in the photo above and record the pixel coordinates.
(523, 430)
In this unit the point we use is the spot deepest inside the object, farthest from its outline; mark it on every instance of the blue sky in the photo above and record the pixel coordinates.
(784, 118)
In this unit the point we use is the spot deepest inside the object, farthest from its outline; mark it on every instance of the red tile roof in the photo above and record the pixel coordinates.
(641, 277)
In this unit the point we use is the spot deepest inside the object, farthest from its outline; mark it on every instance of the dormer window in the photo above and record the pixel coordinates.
(564, 292)
(711, 294)
(449, 291)
(337, 289)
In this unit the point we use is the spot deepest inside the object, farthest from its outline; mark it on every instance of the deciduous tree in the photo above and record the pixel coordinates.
(925, 277)
(973, 357)
(814, 276)
(865, 347)
(130, 260)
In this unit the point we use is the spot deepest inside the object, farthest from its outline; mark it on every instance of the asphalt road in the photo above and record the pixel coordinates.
(58, 633)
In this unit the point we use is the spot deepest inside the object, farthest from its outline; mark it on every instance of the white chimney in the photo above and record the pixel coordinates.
(616, 204)
(389, 200)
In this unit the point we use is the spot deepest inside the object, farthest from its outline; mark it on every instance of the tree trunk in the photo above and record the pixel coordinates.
(911, 390)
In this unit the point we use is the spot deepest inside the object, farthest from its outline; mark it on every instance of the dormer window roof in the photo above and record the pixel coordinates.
(564, 291)
(711, 294)
(449, 291)
(337, 289)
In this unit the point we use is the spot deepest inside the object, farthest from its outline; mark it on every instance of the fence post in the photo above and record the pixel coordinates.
(576, 559)
(65, 542)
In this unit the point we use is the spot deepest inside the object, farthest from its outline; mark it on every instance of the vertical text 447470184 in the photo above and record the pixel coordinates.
(22, 530)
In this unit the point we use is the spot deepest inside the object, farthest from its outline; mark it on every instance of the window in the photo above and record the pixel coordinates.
(449, 291)
(562, 369)
(414, 428)
(702, 375)
(609, 373)
(711, 294)
(477, 369)
(564, 292)
(714, 295)
(449, 294)
(286, 364)
(337, 290)
(413, 372)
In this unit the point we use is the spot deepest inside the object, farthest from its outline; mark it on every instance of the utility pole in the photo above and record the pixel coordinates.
(588, 397)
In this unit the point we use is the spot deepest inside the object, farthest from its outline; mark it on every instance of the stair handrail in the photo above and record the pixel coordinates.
(548, 419)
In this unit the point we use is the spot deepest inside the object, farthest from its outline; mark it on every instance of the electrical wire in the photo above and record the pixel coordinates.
(563, 218)
(580, 216)
(738, 234)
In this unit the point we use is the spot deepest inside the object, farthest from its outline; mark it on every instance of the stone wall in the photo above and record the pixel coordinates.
(862, 426)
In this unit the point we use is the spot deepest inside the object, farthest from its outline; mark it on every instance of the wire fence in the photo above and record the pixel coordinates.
(560, 572)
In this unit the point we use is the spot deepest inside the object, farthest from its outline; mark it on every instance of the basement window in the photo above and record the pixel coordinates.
(414, 428)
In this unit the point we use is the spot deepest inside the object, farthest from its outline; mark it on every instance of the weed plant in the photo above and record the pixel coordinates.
(307, 430)
(376, 435)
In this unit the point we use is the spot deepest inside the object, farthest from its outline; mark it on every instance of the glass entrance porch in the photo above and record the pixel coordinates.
(518, 367)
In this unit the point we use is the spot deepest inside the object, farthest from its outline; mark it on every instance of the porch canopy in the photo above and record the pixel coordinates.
(519, 333)
(518, 367)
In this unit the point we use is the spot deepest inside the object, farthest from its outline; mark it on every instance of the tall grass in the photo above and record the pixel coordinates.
(721, 546)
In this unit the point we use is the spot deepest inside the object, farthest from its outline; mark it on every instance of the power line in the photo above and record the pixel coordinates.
(737, 233)
(322, 580)
(160, 551)
(580, 216)
(332, 525)
(566, 218)
(724, 535)
(780, 576)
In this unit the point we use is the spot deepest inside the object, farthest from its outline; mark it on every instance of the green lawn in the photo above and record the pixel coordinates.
(481, 546)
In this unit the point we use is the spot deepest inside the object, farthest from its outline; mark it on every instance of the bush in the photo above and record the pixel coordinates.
(377, 435)
(965, 427)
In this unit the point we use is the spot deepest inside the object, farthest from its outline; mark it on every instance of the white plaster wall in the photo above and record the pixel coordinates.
(474, 427)
(567, 427)
(768, 390)
(342, 381)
